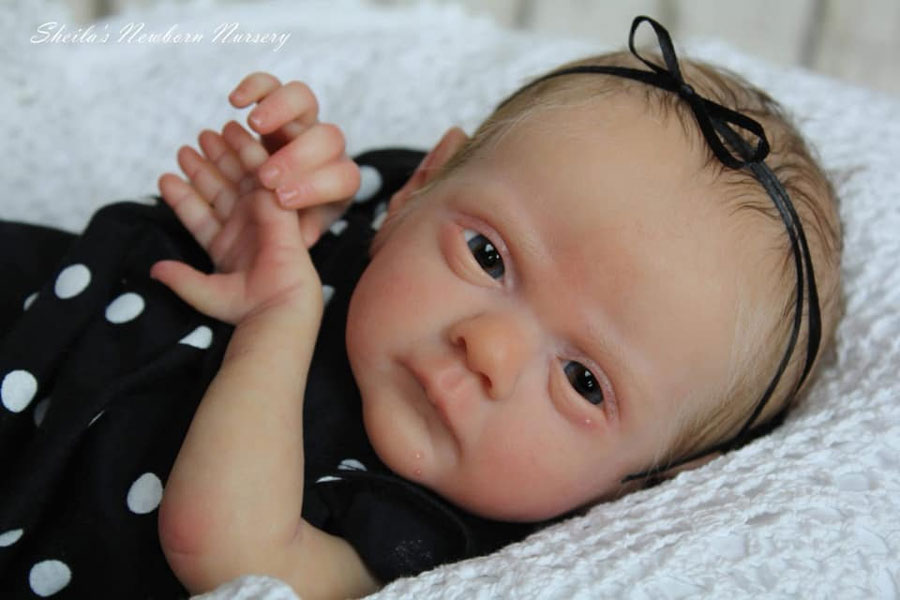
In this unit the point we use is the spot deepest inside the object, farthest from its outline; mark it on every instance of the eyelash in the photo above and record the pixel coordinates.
(574, 370)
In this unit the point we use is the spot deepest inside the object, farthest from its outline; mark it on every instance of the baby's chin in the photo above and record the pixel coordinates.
(486, 501)
(399, 438)
(404, 445)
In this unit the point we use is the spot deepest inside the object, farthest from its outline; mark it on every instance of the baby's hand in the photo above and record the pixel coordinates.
(256, 246)
(308, 167)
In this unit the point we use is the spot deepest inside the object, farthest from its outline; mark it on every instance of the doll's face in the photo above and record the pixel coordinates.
(579, 243)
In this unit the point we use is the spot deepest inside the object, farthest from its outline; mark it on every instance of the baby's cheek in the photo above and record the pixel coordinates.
(524, 477)
(394, 295)
(378, 314)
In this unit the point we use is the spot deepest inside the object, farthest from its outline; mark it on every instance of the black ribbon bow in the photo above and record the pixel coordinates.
(716, 123)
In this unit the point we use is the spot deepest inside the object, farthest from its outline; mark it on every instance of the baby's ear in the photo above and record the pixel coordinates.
(452, 140)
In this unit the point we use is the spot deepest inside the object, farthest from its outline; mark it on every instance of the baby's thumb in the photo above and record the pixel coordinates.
(189, 284)
(315, 220)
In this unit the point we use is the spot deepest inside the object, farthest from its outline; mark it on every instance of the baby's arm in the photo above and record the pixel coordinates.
(233, 499)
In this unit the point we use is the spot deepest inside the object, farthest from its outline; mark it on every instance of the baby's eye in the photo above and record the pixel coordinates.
(584, 382)
(485, 253)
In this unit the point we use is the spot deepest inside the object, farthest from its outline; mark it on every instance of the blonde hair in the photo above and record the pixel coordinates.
(762, 334)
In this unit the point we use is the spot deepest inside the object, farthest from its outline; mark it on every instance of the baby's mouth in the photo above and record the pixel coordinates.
(436, 400)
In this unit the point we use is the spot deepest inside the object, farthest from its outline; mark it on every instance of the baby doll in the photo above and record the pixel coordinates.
(603, 285)
(571, 297)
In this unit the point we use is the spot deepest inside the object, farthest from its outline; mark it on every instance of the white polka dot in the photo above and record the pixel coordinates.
(17, 390)
(369, 183)
(48, 577)
(378, 221)
(201, 338)
(327, 478)
(8, 538)
(381, 212)
(40, 411)
(145, 494)
(124, 308)
(97, 416)
(30, 300)
(338, 227)
(351, 464)
(327, 293)
(72, 281)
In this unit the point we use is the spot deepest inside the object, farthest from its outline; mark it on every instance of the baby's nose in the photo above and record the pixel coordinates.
(496, 346)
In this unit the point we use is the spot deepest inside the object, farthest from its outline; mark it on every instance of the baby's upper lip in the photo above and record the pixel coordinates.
(437, 398)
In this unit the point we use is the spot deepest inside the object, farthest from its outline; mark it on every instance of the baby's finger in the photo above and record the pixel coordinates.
(293, 102)
(219, 153)
(282, 136)
(315, 220)
(333, 182)
(248, 149)
(206, 179)
(321, 143)
(192, 210)
(253, 87)
(208, 293)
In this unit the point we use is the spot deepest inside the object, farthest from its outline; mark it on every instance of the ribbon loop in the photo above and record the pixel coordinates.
(705, 111)
(672, 70)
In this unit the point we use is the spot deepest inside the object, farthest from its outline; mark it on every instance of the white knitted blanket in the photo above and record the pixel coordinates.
(813, 510)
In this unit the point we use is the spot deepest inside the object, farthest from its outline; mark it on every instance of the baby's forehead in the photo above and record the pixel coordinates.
(610, 154)
(616, 127)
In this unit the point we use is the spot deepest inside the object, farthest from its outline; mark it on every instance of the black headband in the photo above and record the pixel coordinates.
(716, 123)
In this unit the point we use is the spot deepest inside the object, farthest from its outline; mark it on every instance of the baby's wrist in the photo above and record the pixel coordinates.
(287, 328)
(292, 307)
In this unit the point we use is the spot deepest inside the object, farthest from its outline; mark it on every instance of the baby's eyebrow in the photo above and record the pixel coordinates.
(497, 206)
(510, 225)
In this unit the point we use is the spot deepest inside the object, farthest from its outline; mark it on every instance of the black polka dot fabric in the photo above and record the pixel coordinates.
(102, 369)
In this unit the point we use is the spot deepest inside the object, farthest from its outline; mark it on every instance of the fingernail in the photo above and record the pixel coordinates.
(269, 174)
(289, 197)
(237, 95)
(256, 119)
